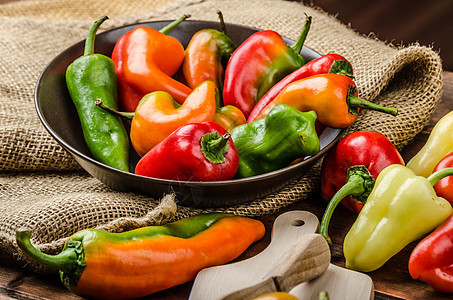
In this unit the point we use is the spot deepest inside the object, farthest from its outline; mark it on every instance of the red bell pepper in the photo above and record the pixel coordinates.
(261, 61)
(145, 61)
(329, 63)
(431, 260)
(444, 188)
(194, 152)
(350, 168)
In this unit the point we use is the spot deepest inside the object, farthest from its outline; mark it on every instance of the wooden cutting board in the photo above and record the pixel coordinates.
(340, 283)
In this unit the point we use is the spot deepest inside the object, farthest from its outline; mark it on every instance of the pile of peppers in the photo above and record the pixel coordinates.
(263, 93)
(396, 204)
(217, 110)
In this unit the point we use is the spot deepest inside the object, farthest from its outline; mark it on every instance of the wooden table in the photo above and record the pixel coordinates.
(391, 281)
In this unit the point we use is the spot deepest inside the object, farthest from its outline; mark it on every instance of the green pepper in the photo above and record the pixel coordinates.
(131, 264)
(91, 77)
(273, 142)
(401, 208)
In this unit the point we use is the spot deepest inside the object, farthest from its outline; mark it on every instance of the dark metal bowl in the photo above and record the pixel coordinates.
(58, 114)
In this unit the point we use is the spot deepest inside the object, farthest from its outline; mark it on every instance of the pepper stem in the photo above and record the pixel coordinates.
(222, 22)
(297, 47)
(173, 24)
(214, 146)
(89, 42)
(356, 102)
(125, 115)
(438, 175)
(360, 183)
(67, 260)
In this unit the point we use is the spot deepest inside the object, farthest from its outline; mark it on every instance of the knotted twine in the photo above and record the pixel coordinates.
(44, 189)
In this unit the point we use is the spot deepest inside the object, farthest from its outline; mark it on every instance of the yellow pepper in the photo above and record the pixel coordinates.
(438, 145)
(401, 208)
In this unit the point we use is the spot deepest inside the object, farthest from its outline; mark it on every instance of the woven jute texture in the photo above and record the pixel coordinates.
(44, 189)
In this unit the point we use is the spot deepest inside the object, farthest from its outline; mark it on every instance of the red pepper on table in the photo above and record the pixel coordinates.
(332, 96)
(431, 260)
(145, 61)
(329, 63)
(444, 188)
(194, 152)
(350, 168)
(261, 61)
(205, 55)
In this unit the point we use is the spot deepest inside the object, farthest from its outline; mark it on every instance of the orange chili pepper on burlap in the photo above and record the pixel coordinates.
(136, 263)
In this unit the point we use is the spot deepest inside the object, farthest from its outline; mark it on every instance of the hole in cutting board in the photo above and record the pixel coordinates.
(298, 223)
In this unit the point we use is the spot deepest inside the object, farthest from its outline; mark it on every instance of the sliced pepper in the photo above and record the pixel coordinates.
(132, 264)
(158, 115)
(401, 208)
(206, 55)
(145, 60)
(332, 96)
(261, 61)
(438, 145)
(273, 142)
(349, 171)
(88, 78)
(444, 188)
(329, 63)
(431, 260)
(194, 152)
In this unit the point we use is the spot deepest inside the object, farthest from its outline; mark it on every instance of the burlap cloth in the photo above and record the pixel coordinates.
(44, 189)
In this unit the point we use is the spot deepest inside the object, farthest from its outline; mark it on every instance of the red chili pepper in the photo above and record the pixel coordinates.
(444, 188)
(350, 168)
(431, 260)
(329, 63)
(261, 61)
(145, 61)
(195, 152)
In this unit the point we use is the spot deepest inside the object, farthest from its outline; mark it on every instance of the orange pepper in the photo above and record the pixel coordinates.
(158, 115)
(332, 96)
(136, 263)
(229, 116)
(145, 61)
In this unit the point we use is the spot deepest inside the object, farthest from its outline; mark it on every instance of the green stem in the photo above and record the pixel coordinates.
(173, 24)
(89, 42)
(126, 115)
(297, 47)
(438, 175)
(213, 147)
(356, 102)
(218, 144)
(222, 22)
(67, 260)
(360, 183)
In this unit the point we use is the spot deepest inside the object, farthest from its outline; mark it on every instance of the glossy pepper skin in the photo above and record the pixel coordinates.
(444, 188)
(329, 63)
(88, 78)
(431, 260)
(194, 152)
(158, 115)
(332, 96)
(274, 142)
(401, 208)
(205, 56)
(228, 117)
(145, 61)
(132, 264)
(349, 171)
(261, 61)
(438, 145)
